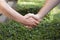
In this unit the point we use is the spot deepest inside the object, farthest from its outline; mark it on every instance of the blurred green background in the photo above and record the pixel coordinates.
(48, 29)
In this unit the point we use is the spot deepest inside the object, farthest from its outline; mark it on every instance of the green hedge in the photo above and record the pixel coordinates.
(44, 31)
(48, 29)
(26, 6)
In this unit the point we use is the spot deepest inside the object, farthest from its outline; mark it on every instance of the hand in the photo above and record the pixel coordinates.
(33, 21)
(30, 22)
(35, 17)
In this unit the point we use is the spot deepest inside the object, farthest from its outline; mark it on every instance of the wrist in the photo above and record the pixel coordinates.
(39, 16)
(21, 19)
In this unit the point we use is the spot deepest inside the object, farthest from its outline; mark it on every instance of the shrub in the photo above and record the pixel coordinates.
(48, 29)
(44, 31)
(26, 6)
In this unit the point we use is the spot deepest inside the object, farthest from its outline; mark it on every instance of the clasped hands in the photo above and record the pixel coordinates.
(33, 20)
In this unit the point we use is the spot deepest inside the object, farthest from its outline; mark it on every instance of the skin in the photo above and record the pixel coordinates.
(11, 13)
(48, 6)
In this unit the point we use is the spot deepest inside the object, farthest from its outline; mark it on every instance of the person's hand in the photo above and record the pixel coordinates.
(35, 17)
(30, 22)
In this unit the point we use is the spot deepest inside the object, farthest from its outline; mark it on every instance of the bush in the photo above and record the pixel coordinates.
(48, 29)
(29, 6)
(44, 31)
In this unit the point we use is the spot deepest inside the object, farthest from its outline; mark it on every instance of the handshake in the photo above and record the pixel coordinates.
(32, 20)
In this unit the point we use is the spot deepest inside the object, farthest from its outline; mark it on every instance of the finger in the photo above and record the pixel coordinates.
(37, 22)
(34, 22)
(36, 17)
(28, 15)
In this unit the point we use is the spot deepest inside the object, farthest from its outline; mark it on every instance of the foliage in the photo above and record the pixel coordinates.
(44, 31)
(26, 6)
(48, 29)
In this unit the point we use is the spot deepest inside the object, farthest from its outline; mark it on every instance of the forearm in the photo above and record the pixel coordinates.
(9, 12)
(50, 4)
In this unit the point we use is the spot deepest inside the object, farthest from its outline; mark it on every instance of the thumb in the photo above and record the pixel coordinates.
(36, 17)
(28, 15)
